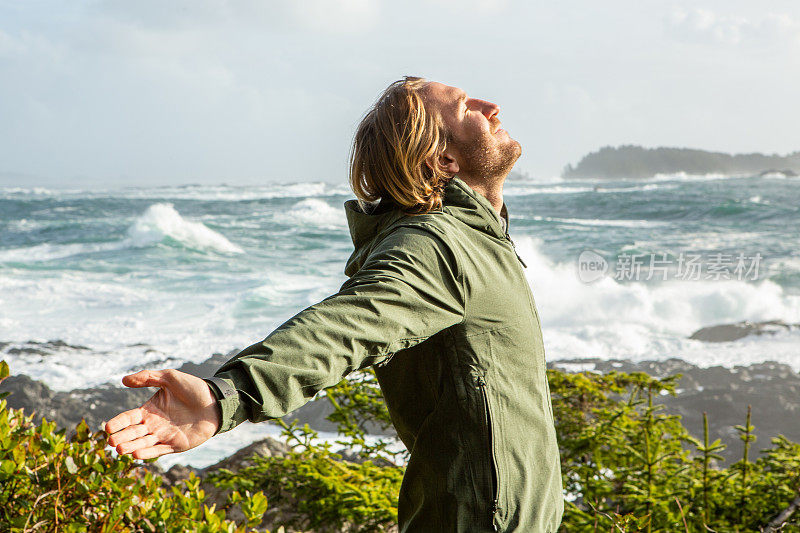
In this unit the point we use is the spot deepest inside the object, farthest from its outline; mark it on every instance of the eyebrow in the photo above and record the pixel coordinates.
(462, 99)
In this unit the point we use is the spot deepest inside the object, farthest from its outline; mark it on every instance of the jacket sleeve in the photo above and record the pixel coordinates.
(408, 289)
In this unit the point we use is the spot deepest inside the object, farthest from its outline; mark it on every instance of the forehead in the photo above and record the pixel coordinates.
(442, 95)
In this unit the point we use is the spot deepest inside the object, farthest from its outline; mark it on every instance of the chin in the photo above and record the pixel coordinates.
(513, 150)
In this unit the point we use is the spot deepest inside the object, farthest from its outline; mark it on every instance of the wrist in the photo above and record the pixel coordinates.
(227, 401)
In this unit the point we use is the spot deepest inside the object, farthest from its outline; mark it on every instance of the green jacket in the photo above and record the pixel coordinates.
(440, 305)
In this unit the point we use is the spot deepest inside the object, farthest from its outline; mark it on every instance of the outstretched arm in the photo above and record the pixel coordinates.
(408, 289)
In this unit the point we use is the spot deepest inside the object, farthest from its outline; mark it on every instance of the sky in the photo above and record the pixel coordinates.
(138, 93)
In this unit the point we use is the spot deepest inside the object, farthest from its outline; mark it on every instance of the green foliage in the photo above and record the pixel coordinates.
(358, 407)
(626, 466)
(312, 487)
(51, 482)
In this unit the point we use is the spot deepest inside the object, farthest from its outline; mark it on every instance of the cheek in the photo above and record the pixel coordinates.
(476, 129)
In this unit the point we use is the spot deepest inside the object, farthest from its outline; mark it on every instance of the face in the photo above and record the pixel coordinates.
(479, 147)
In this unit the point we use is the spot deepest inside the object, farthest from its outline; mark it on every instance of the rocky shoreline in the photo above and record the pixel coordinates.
(771, 389)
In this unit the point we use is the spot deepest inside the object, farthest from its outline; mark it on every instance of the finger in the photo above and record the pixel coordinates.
(125, 419)
(137, 444)
(153, 451)
(145, 378)
(128, 434)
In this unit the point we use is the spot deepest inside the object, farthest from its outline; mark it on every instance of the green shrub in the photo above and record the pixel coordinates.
(626, 466)
(49, 482)
(315, 489)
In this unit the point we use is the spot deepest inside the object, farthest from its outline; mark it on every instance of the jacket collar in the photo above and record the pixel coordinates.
(460, 201)
(472, 208)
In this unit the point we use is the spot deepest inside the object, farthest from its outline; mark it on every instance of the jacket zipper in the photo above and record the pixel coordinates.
(513, 247)
(492, 458)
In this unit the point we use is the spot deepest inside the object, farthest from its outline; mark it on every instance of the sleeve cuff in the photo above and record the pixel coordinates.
(228, 400)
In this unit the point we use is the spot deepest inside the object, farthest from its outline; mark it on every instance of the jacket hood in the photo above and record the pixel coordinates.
(460, 201)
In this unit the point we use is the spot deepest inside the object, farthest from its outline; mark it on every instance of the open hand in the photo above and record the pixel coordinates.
(181, 415)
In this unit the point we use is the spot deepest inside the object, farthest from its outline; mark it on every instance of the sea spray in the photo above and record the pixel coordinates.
(316, 212)
(610, 318)
(162, 220)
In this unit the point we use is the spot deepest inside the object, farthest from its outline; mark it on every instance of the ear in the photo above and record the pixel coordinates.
(446, 162)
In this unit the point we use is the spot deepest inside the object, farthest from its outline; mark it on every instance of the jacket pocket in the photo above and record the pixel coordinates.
(491, 454)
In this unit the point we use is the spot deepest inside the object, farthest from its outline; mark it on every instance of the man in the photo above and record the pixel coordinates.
(436, 300)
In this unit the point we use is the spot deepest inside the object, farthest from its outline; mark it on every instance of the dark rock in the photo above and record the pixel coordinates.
(95, 405)
(207, 368)
(351, 456)
(243, 458)
(40, 348)
(178, 473)
(268, 447)
(789, 173)
(732, 332)
(27, 351)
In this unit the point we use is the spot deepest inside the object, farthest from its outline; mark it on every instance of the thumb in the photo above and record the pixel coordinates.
(145, 378)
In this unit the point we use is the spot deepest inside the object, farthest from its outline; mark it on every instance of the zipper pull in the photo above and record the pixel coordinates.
(515, 250)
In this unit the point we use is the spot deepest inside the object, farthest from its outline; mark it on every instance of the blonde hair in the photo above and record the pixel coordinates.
(390, 147)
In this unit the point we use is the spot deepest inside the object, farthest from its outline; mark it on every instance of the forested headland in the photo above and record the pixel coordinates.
(631, 161)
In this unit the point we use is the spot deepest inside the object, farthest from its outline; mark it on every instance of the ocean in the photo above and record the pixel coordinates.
(154, 277)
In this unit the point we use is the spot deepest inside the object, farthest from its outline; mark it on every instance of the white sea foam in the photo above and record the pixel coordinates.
(558, 189)
(600, 186)
(27, 191)
(158, 222)
(604, 222)
(286, 289)
(227, 193)
(637, 188)
(778, 176)
(684, 176)
(230, 193)
(638, 320)
(316, 212)
(748, 242)
(757, 200)
(114, 315)
(162, 220)
(50, 252)
(25, 224)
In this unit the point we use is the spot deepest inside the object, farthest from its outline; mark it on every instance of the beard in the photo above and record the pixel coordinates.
(489, 160)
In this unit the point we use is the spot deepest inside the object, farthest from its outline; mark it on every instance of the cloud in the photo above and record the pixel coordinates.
(704, 25)
(328, 16)
(344, 16)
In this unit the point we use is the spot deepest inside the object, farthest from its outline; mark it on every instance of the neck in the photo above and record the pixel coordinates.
(491, 189)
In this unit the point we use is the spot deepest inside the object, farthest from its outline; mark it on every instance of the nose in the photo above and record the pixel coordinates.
(488, 109)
